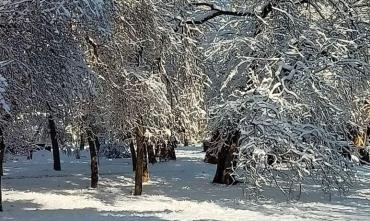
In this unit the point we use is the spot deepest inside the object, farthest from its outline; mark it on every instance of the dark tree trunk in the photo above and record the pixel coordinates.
(171, 150)
(211, 146)
(78, 156)
(2, 153)
(228, 178)
(54, 143)
(186, 142)
(145, 164)
(139, 161)
(226, 159)
(1, 196)
(133, 154)
(97, 146)
(206, 145)
(82, 141)
(94, 160)
(163, 151)
(29, 155)
(221, 165)
(151, 154)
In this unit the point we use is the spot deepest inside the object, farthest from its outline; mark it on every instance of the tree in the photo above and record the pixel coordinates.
(2, 153)
(290, 83)
(94, 158)
(139, 171)
(45, 67)
(54, 143)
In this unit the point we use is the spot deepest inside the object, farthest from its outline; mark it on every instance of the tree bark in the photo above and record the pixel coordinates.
(140, 161)
(78, 156)
(226, 159)
(2, 153)
(1, 196)
(163, 151)
(133, 154)
(82, 141)
(94, 160)
(221, 165)
(54, 143)
(186, 141)
(157, 149)
(171, 149)
(145, 164)
(97, 146)
(151, 154)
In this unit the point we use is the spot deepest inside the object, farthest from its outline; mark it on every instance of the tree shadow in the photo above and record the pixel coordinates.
(27, 210)
(188, 178)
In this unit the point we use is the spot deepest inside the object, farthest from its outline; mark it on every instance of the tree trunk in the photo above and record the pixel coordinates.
(2, 153)
(163, 151)
(226, 159)
(82, 141)
(206, 145)
(151, 154)
(78, 156)
(172, 145)
(157, 149)
(97, 146)
(29, 155)
(54, 143)
(145, 164)
(173, 153)
(94, 160)
(133, 155)
(221, 165)
(139, 161)
(1, 196)
(186, 141)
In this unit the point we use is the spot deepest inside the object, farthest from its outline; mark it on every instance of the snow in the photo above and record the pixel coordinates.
(178, 190)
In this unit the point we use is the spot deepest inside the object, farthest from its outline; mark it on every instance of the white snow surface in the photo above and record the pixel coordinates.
(178, 190)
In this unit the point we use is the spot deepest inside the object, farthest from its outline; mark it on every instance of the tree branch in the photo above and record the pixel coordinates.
(218, 11)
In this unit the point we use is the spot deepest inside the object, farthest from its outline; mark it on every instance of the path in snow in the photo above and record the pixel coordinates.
(179, 190)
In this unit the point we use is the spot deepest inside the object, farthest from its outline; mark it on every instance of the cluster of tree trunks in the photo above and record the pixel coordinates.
(166, 150)
(147, 151)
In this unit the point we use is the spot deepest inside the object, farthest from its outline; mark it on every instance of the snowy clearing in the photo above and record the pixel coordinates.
(178, 190)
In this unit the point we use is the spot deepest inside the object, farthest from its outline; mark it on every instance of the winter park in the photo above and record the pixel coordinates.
(184, 110)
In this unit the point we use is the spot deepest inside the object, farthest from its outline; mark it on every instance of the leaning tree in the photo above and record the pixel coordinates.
(294, 76)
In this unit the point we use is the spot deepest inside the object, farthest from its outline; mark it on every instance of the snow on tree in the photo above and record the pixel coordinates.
(47, 72)
(304, 68)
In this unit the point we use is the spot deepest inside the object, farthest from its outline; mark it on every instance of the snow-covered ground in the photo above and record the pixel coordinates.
(178, 190)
